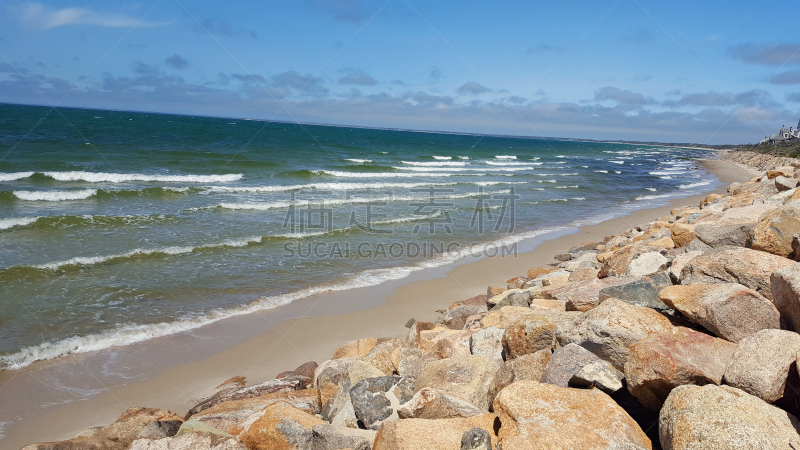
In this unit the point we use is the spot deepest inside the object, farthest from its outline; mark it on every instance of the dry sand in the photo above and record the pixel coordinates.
(319, 326)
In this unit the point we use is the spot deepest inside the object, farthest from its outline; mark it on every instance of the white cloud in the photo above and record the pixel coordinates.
(40, 16)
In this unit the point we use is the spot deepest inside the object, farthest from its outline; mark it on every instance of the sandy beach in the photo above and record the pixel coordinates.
(263, 344)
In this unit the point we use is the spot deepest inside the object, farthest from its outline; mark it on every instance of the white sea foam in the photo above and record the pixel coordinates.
(601, 171)
(442, 158)
(55, 196)
(463, 157)
(652, 189)
(130, 334)
(616, 162)
(465, 169)
(666, 177)
(694, 185)
(505, 157)
(567, 187)
(16, 222)
(512, 163)
(337, 173)
(103, 177)
(560, 156)
(320, 186)
(359, 161)
(14, 176)
(435, 163)
(265, 206)
(666, 172)
(653, 197)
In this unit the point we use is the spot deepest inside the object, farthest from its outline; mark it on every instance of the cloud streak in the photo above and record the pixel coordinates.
(767, 55)
(39, 16)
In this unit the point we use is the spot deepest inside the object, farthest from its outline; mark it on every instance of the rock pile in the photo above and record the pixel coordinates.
(680, 333)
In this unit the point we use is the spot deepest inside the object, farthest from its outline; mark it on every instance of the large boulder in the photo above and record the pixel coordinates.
(609, 330)
(774, 232)
(464, 377)
(763, 362)
(533, 332)
(573, 365)
(488, 342)
(338, 409)
(278, 385)
(330, 374)
(190, 441)
(381, 355)
(117, 436)
(641, 291)
(617, 264)
(431, 434)
(682, 234)
(448, 343)
(730, 311)
(646, 264)
(377, 399)
(664, 361)
(409, 362)
(542, 416)
(730, 228)
(281, 427)
(751, 268)
(456, 318)
(679, 262)
(358, 348)
(231, 416)
(431, 404)
(586, 294)
(710, 416)
(785, 289)
(525, 367)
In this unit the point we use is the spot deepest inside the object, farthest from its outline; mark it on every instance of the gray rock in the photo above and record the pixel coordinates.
(191, 441)
(332, 437)
(488, 342)
(511, 297)
(277, 385)
(429, 403)
(640, 292)
(784, 184)
(646, 264)
(574, 366)
(679, 262)
(159, 429)
(599, 374)
(698, 246)
(377, 399)
(785, 289)
(476, 439)
(456, 318)
(762, 362)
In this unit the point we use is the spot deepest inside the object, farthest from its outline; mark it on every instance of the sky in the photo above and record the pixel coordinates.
(710, 72)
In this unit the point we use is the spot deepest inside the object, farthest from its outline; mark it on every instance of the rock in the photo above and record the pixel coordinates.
(586, 294)
(377, 399)
(664, 361)
(698, 246)
(782, 171)
(305, 370)
(117, 436)
(618, 263)
(646, 264)
(526, 367)
(194, 426)
(431, 404)
(431, 434)
(563, 257)
(381, 355)
(476, 439)
(548, 305)
(599, 374)
(539, 416)
(588, 273)
(280, 427)
(512, 297)
(774, 232)
(609, 330)
(516, 282)
(762, 363)
(491, 291)
(338, 410)
(464, 377)
(474, 322)
(330, 374)
(679, 262)
(730, 311)
(230, 384)
(533, 332)
(750, 268)
(359, 347)
(191, 441)
(731, 227)
(332, 437)
(232, 415)
(785, 184)
(456, 318)
(446, 343)
(682, 234)
(785, 289)
(554, 281)
(412, 338)
(409, 362)
(639, 291)
(565, 362)
(712, 416)
(278, 385)
(159, 429)
(488, 342)
(538, 271)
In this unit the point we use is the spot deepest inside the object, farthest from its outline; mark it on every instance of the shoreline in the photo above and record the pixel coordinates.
(379, 311)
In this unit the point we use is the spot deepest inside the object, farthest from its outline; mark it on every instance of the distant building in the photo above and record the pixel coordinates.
(785, 135)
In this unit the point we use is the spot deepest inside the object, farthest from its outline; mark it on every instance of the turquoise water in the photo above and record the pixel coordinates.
(116, 227)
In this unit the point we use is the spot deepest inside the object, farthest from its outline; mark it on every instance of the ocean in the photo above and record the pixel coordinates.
(118, 227)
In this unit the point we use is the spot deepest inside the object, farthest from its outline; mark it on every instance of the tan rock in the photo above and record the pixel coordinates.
(452, 344)
(277, 385)
(543, 416)
(359, 347)
(555, 281)
(330, 374)
(695, 417)
(539, 271)
(117, 436)
(618, 263)
(761, 363)
(464, 377)
(526, 367)
(551, 305)
(731, 227)
(587, 273)
(750, 268)
(491, 291)
(730, 311)
(516, 282)
(429, 403)
(664, 361)
(190, 441)
(332, 437)
(785, 289)
(586, 294)
(280, 427)
(774, 232)
(230, 416)
(431, 434)
(409, 362)
(682, 234)
(412, 338)
(679, 262)
(381, 355)
(782, 171)
(609, 330)
(488, 342)
(533, 332)
(739, 201)
(338, 408)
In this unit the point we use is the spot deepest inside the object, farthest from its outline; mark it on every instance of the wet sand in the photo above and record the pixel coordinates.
(174, 369)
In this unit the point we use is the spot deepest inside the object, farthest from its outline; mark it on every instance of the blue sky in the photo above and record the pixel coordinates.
(680, 71)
